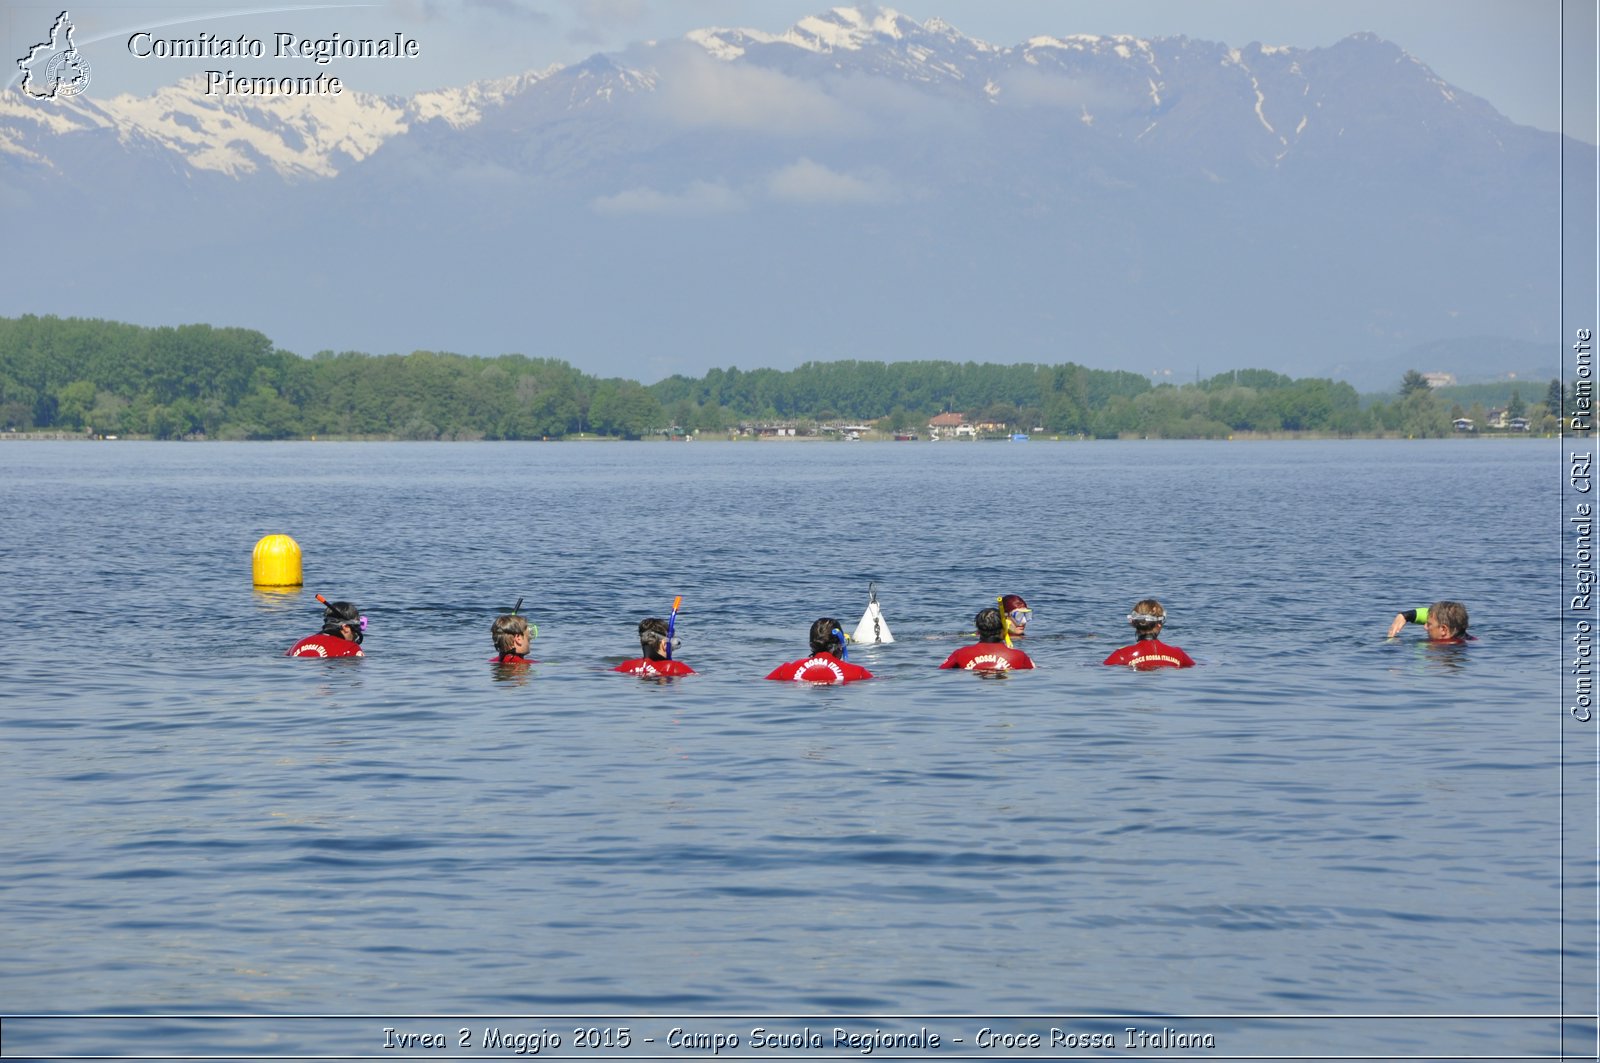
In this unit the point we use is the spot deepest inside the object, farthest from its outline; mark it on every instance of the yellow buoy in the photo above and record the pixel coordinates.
(276, 562)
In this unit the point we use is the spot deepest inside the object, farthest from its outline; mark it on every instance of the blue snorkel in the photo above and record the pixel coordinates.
(672, 622)
(844, 652)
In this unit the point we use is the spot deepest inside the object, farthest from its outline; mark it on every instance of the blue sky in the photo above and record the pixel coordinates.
(1507, 51)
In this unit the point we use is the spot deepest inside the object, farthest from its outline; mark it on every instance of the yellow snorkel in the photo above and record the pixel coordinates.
(1005, 621)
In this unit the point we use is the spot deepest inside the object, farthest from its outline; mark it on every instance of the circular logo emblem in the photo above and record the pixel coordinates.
(67, 73)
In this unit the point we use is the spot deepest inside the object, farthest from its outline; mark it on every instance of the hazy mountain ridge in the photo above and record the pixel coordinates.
(1167, 92)
(862, 185)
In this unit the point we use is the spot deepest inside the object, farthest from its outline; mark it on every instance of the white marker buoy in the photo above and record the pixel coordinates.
(873, 627)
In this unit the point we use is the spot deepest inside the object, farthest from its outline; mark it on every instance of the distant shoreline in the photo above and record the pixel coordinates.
(1240, 437)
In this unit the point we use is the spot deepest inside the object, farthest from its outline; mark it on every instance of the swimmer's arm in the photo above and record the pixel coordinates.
(1410, 616)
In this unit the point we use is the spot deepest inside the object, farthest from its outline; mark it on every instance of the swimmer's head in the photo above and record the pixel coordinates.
(653, 638)
(827, 636)
(512, 634)
(991, 628)
(1447, 620)
(1147, 617)
(1017, 614)
(344, 620)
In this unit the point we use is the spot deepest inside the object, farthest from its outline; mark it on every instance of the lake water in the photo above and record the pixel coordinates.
(1318, 841)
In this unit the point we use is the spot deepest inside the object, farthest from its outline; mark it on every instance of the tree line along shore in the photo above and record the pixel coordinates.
(76, 377)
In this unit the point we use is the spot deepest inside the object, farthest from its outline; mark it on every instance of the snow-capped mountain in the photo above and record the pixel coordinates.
(860, 185)
(291, 136)
(1124, 88)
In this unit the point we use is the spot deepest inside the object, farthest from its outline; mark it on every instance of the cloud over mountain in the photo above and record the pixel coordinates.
(806, 181)
(700, 197)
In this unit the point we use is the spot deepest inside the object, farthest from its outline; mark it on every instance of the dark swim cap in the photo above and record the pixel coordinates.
(338, 614)
(827, 636)
(653, 637)
(991, 627)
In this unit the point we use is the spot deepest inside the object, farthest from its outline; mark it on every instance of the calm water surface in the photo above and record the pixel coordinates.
(1314, 822)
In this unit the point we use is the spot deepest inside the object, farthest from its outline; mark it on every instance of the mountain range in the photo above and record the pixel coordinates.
(863, 185)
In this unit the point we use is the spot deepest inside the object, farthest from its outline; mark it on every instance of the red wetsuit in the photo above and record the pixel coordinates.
(1151, 653)
(644, 666)
(988, 657)
(324, 646)
(820, 668)
(510, 658)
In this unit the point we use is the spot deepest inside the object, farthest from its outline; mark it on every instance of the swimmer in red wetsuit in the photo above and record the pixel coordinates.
(828, 662)
(1446, 622)
(1149, 651)
(343, 628)
(513, 639)
(990, 653)
(657, 646)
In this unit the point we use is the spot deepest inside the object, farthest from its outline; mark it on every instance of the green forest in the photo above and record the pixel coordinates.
(201, 382)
